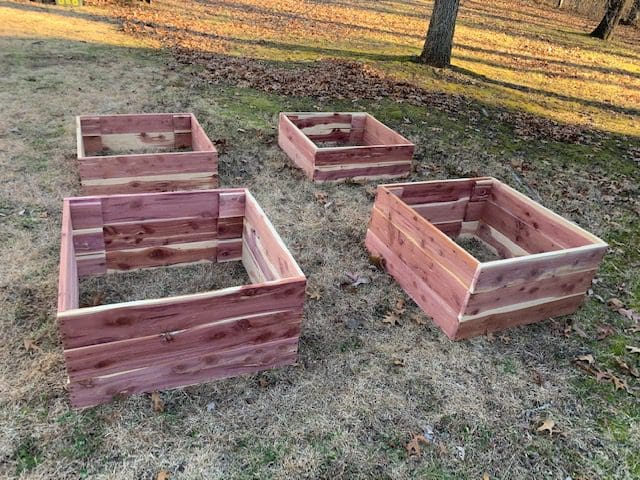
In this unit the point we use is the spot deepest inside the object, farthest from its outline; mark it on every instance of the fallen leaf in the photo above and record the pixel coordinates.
(605, 331)
(630, 314)
(355, 279)
(633, 349)
(419, 319)
(376, 261)
(392, 319)
(536, 376)
(618, 383)
(321, 197)
(399, 307)
(157, 403)
(162, 475)
(485, 476)
(615, 304)
(625, 366)
(313, 293)
(548, 426)
(30, 345)
(413, 447)
(586, 358)
(504, 339)
(398, 362)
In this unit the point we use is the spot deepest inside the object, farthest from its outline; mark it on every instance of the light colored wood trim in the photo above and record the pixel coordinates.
(68, 293)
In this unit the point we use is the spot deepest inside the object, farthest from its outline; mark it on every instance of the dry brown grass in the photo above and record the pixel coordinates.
(361, 388)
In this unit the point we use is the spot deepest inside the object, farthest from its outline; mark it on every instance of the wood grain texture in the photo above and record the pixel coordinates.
(421, 292)
(260, 231)
(145, 172)
(427, 236)
(113, 357)
(380, 152)
(500, 321)
(537, 277)
(110, 323)
(68, 294)
(184, 372)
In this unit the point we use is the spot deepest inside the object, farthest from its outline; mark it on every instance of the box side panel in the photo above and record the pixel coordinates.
(535, 313)
(88, 240)
(184, 372)
(264, 243)
(557, 229)
(371, 171)
(524, 270)
(230, 333)
(377, 133)
(424, 265)
(297, 147)
(111, 323)
(426, 236)
(414, 286)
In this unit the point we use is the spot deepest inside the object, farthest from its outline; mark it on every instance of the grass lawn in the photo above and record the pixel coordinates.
(530, 99)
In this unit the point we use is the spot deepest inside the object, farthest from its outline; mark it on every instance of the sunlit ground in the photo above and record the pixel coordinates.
(526, 57)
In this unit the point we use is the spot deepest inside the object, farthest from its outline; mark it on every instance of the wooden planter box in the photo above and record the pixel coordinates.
(108, 167)
(142, 346)
(340, 146)
(547, 263)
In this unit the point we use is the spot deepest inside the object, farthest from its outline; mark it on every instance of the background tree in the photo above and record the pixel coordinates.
(633, 17)
(610, 20)
(437, 47)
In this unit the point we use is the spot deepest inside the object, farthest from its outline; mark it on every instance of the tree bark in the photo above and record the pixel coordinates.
(437, 47)
(633, 17)
(610, 20)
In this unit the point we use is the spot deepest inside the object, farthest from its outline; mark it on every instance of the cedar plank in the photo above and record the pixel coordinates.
(140, 352)
(109, 323)
(182, 373)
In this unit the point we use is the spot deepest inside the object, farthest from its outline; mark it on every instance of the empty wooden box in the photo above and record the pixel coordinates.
(153, 152)
(142, 346)
(545, 265)
(340, 146)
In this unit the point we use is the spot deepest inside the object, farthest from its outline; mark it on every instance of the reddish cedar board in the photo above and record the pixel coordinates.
(526, 288)
(204, 368)
(380, 153)
(113, 345)
(196, 169)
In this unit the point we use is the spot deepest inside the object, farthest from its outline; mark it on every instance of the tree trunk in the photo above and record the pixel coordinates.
(633, 17)
(610, 20)
(437, 47)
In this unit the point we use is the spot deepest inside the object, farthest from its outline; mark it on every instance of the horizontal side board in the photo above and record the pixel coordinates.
(110, 323)
(184, 372)
(141, 231)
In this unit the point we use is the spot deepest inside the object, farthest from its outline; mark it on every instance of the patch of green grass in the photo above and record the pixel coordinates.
(83, 437)
(27, 455)
(351, 344)
(509, 366)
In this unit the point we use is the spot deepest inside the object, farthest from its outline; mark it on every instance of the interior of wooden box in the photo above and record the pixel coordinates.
(128, 233)
(126, 134)
(499, 222)
(345, 129)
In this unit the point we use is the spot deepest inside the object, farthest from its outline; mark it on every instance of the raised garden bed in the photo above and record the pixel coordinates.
(154, 152)
(142, 346)
(545, 263)
(341, 146)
